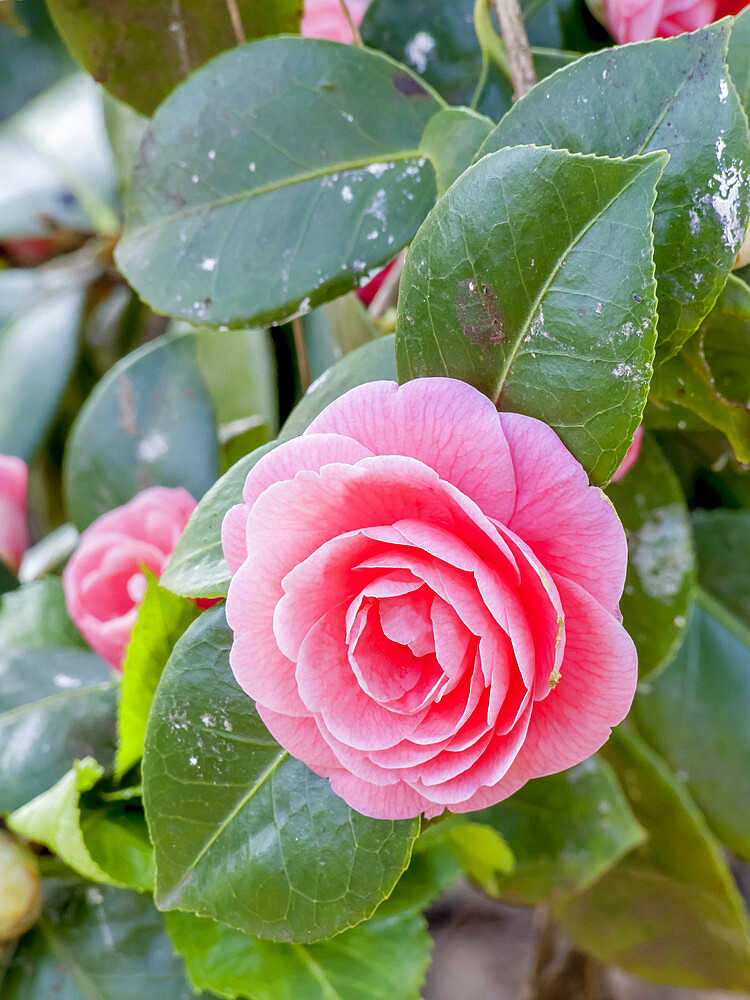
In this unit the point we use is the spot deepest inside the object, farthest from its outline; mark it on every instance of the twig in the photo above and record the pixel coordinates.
(356, 36)
(512, 29)
(236, 19)
(303, 365)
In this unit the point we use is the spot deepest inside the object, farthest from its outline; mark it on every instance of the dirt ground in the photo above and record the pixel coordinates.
(485, 951)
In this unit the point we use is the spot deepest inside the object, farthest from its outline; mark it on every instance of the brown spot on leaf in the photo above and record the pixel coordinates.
(408, 86)
(479, 313)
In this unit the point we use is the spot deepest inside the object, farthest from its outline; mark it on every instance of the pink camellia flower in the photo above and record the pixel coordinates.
(14, 481)
(104, 581)
(326, 19)
(631, 455)
(424, 600)
(640, 20)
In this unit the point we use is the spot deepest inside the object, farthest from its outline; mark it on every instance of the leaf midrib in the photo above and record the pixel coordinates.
(497, 391)
(165, 901)
(59, 696)
(273, 186)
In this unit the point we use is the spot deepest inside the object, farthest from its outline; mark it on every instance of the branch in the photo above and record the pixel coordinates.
(356, 37)
(236, 19)
(512, 29)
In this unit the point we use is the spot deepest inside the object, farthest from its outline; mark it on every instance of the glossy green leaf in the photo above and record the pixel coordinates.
(197, 567)
(47, 328)
(162, 618)
(369, 363)
(150, 421)
(96, 943)
(125, 128)
(451, 140)
(661, 562)
(436, 38)
(672, 94)
(117, 841)
(35, 615)
(141, 51)
(216, 786)
(381, 959)
(565, 832)
(57, 164)
(350, 324)
(53, 819)
(739, 64)
(558, 291)
(31, 62)
(478, 848)
(240, 372)
(257, 221)
(8, 579)
(722, 544)
(696, 715)
(669, 911)
(56, 706)
(711, 375)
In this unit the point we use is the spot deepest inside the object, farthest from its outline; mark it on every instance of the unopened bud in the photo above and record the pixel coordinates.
(20, 888)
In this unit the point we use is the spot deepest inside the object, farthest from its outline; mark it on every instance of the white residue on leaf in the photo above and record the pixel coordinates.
(720, 147)
(346, 194)
(660, 553)
(378, 169)
(152, 447)
(251, 166)
(208, 720)
(63, 681)
(373, 235)
(195, 178)
(695, 222)
(723, 91)
(726, 202)
(359, 265)
(228, 725)
(193, 761)
(212, 154)
(208, 263)
(418, 50)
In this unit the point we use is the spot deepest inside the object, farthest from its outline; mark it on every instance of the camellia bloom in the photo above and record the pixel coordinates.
(640, 20)
(631, 456)
(104, 581)
(14, 480)
(326, 19)
(424, 600)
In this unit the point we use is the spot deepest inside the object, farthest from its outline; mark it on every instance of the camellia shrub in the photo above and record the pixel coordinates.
(374, 491)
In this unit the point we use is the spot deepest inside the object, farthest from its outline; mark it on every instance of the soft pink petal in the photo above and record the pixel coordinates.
(631, 456)
(445, 423)
(396, 801)
(571, 526)
(326, 19)
(14, 537)
(596, 689)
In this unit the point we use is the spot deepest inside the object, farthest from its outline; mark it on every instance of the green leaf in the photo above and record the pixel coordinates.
(711, 375)
(479, 849)
(381, 959)
(451, 139)
(528, 303)
(565, 832)
(672, 94)
(35, 615)
(31, 62)
(116, 838)
(57, 164)
(258, 222)
(56, 706)
(369, 363)
(669, 911)
(696, 715)
(8, 579)
(197, 567)
(125, 128)
(53, 819)
(162, 618)
(216, 785)
(661, 563)
(140, 54)
(150, 421)
(437, 39)
(722, 543)
(47, 328)
(739, 64)
(350, 324)
(96, 943)
(240, 371)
